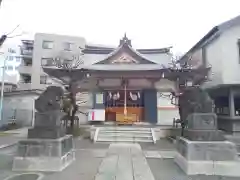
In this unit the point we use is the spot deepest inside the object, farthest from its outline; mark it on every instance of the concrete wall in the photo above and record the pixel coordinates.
(57, 49)
(214, 59)
(223, 56)
(166, 110)
(87, 98)
(21, 107)
(230, 55)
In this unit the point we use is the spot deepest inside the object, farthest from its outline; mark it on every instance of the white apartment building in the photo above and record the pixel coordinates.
(41, 52)
(9, 58)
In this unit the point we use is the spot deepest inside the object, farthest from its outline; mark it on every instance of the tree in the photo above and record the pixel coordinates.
(66, 66)
(190, 97)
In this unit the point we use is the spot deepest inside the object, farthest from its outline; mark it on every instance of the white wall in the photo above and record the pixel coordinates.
(214, 59)
(166, 110)
(165, 85)
(223, 55)
(230, 56)
(24, 104)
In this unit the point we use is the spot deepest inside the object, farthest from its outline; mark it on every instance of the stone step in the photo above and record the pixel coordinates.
(124, 129)
(123, 140)
(125, 135)
(119, 131)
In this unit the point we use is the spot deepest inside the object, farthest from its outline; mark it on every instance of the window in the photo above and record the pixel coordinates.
(9, 68)
(222, 105)
(47, 62)
(7, 89)
(25, 78)
(43, 79)
(10, 50)
(47, 44)
(18, 59)
(67, 46)
(10, 58)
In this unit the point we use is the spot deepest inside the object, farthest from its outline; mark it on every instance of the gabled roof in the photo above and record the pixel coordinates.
(213, 34)
(125, 54)
(95, 49)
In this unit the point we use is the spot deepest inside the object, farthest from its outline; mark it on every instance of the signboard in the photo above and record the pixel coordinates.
(99, 98)
(96, 115)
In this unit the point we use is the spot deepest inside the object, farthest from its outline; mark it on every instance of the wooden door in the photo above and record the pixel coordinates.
(134, 114)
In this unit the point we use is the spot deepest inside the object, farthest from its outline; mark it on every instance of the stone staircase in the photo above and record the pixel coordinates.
(124, 134)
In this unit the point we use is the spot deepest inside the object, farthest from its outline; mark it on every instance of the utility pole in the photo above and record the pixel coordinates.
(2, 39)
(2, 89)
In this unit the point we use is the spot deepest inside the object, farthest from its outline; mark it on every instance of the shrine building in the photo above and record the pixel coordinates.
(130, 85)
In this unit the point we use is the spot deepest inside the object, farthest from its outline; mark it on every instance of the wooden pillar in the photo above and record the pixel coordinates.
(231, 103)
(150, 105)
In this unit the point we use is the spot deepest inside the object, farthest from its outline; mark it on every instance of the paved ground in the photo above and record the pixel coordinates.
(96, 161)
(166, 169)
(88, 144)
(124, 162)
(163, 144)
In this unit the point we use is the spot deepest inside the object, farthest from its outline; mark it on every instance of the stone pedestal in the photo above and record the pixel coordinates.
(44, 154)
(203, 149)
(208, 158)
(47, 125)
(47, 147)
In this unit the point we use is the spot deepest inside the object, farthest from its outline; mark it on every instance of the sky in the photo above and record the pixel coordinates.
(148, 23)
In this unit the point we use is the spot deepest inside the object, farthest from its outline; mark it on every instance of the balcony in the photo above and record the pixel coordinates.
(23, 86)
(27, 53)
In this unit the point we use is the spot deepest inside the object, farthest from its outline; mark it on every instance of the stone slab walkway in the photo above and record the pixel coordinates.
(124, 162)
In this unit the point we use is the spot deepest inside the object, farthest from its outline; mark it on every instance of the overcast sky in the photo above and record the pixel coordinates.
(149, 23)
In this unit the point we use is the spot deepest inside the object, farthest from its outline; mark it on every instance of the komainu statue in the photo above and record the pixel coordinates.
(195, 100)
(49, 113)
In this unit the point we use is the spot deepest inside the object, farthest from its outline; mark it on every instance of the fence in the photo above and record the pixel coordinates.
(20, 117)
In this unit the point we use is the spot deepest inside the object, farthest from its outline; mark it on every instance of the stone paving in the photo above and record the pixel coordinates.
(124, 162)
(115, 161)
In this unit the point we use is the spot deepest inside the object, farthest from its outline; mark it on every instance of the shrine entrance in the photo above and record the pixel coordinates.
(124, 106)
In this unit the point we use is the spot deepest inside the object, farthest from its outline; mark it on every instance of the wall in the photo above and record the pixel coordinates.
(165, 85)
(214, 59)
(230, 56)
(24, 106)
(222, 54)
(39, 52)
(87, 98)
(166, 110)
